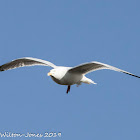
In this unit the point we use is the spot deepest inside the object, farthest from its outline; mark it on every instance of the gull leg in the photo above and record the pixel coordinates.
(68, 89)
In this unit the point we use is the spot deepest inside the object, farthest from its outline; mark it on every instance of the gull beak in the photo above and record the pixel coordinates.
(49, 74)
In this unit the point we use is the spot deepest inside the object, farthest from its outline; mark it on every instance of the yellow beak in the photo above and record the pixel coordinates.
(49, 74)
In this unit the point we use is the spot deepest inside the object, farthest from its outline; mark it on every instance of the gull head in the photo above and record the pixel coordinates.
(58, 73)
(52, 72)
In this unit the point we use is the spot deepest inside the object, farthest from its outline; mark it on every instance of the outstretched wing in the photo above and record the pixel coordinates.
(93, 66)
(26, 61)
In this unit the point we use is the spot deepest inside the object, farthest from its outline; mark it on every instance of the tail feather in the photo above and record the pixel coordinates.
(87, 80)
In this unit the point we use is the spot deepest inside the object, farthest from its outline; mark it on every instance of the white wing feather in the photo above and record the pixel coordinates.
(93, 66)
(26, 61)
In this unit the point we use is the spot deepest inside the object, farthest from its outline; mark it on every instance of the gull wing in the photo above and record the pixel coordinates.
(93, 66)
(26, 61)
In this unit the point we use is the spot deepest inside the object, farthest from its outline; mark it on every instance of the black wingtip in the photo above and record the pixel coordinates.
(132, 74)
(1, 69)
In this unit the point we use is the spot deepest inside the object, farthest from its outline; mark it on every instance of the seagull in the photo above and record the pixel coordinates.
(64, 75)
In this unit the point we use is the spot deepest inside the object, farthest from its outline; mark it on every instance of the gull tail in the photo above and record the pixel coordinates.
(87, 80)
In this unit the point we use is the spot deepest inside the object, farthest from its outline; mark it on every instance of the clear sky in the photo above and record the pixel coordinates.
(69, 33)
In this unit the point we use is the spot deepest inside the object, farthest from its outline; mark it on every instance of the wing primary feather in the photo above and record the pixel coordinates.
(130, 74)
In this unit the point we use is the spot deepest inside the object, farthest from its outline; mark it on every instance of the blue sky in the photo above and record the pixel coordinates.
(69, 33)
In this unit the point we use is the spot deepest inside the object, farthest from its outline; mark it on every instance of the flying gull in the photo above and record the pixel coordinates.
(64, 75)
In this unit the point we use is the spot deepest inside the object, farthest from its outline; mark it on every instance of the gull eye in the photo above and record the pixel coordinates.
(53, 71)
